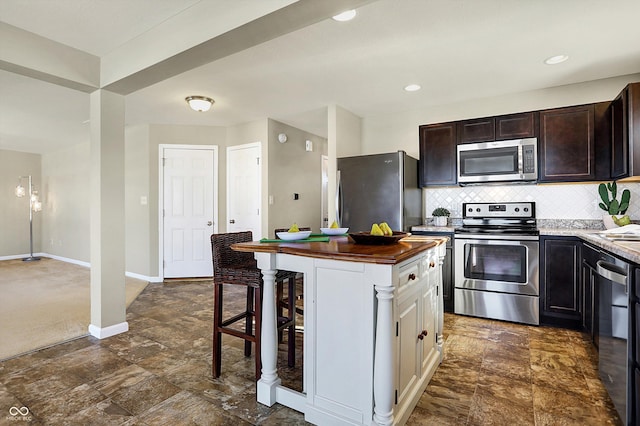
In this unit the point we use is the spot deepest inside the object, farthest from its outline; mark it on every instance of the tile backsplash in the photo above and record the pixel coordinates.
(556, 201)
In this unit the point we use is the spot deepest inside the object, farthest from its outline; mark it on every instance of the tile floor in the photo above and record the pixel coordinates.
(159, 373)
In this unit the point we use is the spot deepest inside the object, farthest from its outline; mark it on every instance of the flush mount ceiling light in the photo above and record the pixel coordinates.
(199, 103)
(345, 16)
(558, 59)
(412, 87)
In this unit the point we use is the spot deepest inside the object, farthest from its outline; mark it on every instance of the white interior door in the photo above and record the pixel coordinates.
(188, 215)
(244, 189)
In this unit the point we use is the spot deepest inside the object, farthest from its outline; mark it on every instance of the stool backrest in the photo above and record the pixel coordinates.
(224, 256)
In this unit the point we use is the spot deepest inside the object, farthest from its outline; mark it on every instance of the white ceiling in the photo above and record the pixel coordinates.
(456, 49)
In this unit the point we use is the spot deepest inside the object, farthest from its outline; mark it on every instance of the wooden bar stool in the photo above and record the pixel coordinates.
(238, 268)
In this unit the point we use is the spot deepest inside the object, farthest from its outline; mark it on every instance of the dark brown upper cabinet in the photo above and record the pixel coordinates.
(438, 154)
(567, 144)
(602, 134)
(625, 133)
(499, 128)
(516, 126)
(476, 130)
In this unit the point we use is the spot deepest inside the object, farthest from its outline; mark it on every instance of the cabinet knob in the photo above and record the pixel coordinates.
(432, 264)
(412, 277)
(423, 334)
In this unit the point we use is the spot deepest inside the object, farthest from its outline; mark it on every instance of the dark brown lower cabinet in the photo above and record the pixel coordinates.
(560, 281)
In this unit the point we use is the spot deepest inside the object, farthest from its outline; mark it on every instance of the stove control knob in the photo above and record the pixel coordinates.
(517, 209)
(526, 209)
(470, 209)
(478, 209)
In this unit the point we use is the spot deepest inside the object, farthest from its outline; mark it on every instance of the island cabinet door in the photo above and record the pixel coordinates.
(427, 337)
(408, 327)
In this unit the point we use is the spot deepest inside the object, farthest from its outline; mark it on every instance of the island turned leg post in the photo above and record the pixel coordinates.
(383, 359)
(440, 325)
(266, 387)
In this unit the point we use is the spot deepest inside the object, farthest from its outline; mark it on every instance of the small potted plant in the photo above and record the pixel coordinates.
(615, 209)
(440, 216)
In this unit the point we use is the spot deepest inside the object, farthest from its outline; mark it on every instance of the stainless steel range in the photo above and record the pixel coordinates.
(497, 262)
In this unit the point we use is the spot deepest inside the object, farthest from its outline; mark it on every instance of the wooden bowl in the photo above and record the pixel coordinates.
(367, 238)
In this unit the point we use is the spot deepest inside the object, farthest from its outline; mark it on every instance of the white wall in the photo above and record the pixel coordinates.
(566, 201)
(294, 170)
(391, 132)
(138, 217)
(14, 211)
(66, 203)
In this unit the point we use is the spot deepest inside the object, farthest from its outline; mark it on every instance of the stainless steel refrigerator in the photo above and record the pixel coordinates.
(379, 188)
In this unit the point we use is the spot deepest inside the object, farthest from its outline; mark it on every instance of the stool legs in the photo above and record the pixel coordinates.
(248, 327)
(217, 336)
(258, 329)
(252, 317)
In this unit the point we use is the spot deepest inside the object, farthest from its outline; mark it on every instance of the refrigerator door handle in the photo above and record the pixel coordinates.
(338, 198)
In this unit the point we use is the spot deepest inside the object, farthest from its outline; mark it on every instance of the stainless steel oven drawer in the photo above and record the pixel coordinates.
(501, 306)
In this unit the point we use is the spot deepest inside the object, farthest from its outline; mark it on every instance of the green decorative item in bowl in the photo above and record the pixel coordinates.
(615, 209)
(440, 216)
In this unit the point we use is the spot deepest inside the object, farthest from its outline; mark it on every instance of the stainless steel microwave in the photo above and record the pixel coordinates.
(500, 161)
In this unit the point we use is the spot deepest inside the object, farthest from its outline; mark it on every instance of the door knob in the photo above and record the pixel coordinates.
(232, 221)
(209, 223)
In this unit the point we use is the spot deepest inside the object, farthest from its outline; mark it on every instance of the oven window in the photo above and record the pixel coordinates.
(496, 262)
(494, 161)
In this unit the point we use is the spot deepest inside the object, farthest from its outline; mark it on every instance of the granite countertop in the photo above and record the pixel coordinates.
(432, 228)
(629, 250)
(585, 230)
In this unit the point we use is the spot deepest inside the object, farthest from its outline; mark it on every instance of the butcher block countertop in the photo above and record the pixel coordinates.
(343, 248)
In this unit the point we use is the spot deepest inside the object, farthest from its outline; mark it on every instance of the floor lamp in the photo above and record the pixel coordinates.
(34, 206)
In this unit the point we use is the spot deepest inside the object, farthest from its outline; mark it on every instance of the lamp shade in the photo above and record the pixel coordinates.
(199, 103)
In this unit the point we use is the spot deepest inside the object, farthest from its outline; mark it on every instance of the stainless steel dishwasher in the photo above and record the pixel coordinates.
(612, 329)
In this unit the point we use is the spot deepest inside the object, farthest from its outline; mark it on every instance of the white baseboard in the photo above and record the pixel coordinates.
(112, 330)
(67, 260)
(82, 263)
(22, 256)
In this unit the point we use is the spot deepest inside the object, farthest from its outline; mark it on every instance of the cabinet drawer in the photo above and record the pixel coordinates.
(409, 273)
(427, 264)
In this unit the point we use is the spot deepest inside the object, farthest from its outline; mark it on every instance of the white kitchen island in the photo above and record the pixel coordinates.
(372, 327)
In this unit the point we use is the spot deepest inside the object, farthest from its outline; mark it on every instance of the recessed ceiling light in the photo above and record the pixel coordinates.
(558, 59)
(412, 87)
(345, 16)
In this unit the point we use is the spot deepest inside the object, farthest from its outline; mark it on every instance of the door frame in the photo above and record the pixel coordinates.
(258, 145)
(216, 202)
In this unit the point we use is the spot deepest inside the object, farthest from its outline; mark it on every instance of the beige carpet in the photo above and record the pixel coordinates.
(46, 302)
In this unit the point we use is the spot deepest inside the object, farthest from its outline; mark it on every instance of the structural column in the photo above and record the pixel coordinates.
(108, 303)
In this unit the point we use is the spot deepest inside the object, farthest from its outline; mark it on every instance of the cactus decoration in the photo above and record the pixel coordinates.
(610, 204)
